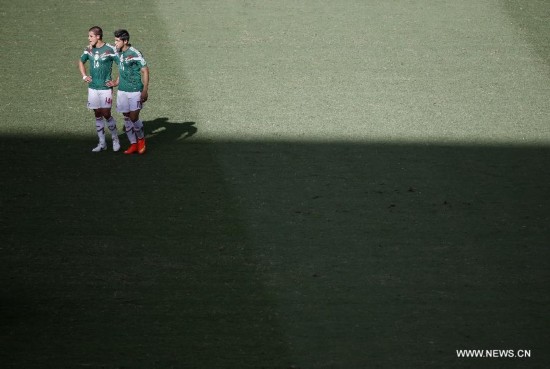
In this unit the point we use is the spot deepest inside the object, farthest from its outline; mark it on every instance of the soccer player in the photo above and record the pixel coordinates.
(133, 85)
(100, 87)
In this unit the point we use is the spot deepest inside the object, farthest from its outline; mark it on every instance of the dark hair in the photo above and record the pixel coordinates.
(97, 31)
(122, 34)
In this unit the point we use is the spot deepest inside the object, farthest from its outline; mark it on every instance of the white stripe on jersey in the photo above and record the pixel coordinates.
(139, 56)
(86, 50)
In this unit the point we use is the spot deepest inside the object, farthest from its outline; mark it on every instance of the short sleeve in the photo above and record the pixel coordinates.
(85, 55)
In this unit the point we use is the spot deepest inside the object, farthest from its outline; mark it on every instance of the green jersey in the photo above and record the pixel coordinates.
(101, 63)
(130, 63)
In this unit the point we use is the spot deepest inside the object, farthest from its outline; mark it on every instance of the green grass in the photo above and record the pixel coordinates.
(346, 184)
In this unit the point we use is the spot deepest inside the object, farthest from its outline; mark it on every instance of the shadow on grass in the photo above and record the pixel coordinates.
(161, 130)
(271, 255)
(396, 256)
(117, 261)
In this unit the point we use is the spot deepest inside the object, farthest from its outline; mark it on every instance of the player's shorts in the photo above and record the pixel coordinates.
(128, 101)
(100, 99)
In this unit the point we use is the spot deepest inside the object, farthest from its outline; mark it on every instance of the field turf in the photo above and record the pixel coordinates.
(328, 184)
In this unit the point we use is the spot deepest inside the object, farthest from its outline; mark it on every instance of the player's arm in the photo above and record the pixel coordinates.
(145, 81)
(82, 70)
(112, 83)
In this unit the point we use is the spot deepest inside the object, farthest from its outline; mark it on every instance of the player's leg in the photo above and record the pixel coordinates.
(135, 109)
(94, 103)
(100, 128)
(105, 110)
(129, 129)
(111, 124)
(123, 106)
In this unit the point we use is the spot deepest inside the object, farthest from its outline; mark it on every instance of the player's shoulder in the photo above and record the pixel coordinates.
(87, 50)
(135, 51)
(111, 48)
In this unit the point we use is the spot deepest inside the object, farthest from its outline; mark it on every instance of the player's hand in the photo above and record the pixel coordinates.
(110, 84)
(87, 79)
(144, 96)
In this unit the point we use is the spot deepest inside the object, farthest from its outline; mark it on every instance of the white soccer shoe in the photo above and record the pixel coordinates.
(100, 147)
(116, 144)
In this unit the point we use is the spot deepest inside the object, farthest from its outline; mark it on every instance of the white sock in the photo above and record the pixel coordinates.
(100, 127)
(138, 129)
(111, 123)
(129, 129)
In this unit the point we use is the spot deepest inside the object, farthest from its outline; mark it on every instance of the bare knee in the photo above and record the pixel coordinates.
(133, 115)
(102, 113)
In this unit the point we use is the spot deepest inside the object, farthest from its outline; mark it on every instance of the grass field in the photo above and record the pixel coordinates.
(343, 184)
